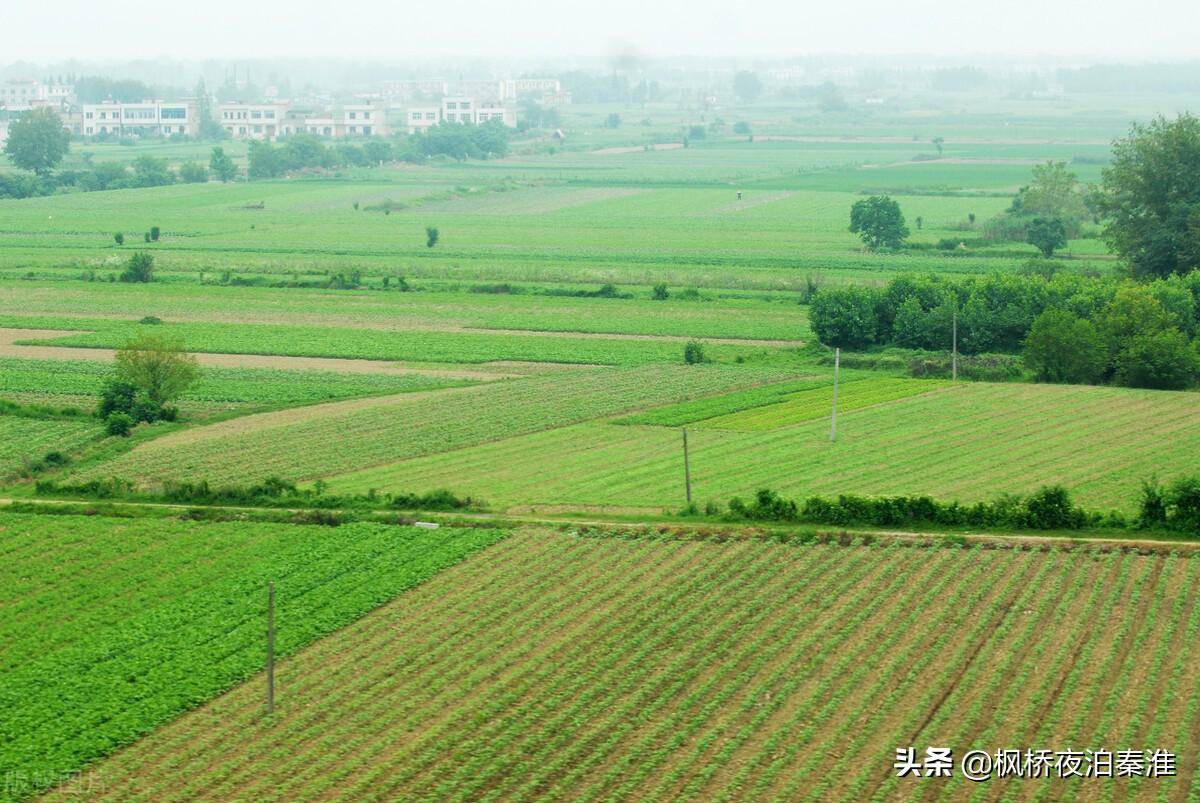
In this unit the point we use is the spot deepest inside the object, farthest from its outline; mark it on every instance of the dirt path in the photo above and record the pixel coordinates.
(9, 348)
(659, 146)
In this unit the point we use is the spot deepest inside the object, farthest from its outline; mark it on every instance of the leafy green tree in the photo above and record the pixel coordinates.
(149, 171)
(741, 127)
(378, 151)
(1046, 234)
(209, 127)
(1151, 197)
(193, 173)
(612, 121)
(661, 293)
(1133, 312)
(431, 236)
(939, 143)
(37, 142)
(1064, 348)
(693, 352)
(157, 367)
(140, 268)
(265, 161)
(879, 222)
(1163, 360)
(221, 165)
(844, 316)
(746, 85)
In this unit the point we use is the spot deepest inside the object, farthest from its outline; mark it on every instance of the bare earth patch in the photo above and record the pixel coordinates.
(9, 348)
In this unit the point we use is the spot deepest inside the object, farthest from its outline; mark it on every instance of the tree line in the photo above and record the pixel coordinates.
(37, 144)
(1069, 328)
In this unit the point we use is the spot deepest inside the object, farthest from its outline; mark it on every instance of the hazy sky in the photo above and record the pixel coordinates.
(399, 30)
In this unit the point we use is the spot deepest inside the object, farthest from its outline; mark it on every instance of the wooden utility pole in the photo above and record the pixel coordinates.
(837, 367)
(270, 648)
(687, 470)
(954, 336)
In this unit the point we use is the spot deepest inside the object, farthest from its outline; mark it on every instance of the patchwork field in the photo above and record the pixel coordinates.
(127, 594)
(968, 442)
(586, 301)
(597, 669)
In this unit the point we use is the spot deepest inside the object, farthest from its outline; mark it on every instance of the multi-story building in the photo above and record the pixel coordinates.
(513, 88)
(23, 95)
(458, 109)
(252, 120)
(362, 120)
(148, 118)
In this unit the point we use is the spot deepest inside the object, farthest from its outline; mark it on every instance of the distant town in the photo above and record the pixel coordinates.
(406, 106)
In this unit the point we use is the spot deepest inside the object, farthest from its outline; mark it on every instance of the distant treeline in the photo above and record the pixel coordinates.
(1070, 328)
(1109, 78)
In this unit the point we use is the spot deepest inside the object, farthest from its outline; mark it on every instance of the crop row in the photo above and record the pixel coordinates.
(341, 437)
(29, 438)
(222, 386)
(588, 669)
(816, 402)
(359, 343)
(971, 442)
(157, 617)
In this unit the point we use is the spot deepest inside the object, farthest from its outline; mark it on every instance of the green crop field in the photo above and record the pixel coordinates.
(126, 595)
(24, 439)
(587, 611)
(968, 442)
(597, 669)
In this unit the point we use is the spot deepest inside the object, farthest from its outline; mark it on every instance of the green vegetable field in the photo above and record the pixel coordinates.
(152, 617)
(600, 668)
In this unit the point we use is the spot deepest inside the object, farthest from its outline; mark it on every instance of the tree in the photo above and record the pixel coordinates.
(193, 173)
(1164, 360)
(1064, 348)
(844, 316)
(149, 171)
(431, 236)
(37, 142)
(741, 127)
(1046, 234)
(209, 127)
(612, 121)
(221, 165)
(879, 222)
(746, 85)
(1150, 197)
(140, 268)
(157, 367)
(660, 292)
(693, 352)
(265, 161)
(939, 143)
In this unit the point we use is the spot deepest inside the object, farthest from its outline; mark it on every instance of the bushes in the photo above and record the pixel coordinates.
(1049, 508)
(140, 268)
(273, 492)
(119, 424)
(693, 353)
(1064, 348)
(1176, 507)
(845, 316)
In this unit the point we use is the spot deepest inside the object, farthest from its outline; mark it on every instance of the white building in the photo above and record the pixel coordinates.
(23, 95)
(252, 120)
(458, 109)
(148, 118)
(513, 88)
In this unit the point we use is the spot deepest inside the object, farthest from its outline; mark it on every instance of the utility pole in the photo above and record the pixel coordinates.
(954, 359)
(270, 648)
(837, 367)
(687, 471)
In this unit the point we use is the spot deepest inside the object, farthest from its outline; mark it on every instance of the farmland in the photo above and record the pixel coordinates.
(968, 442)
(597, 668)
(129, 592)
(576, 627)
